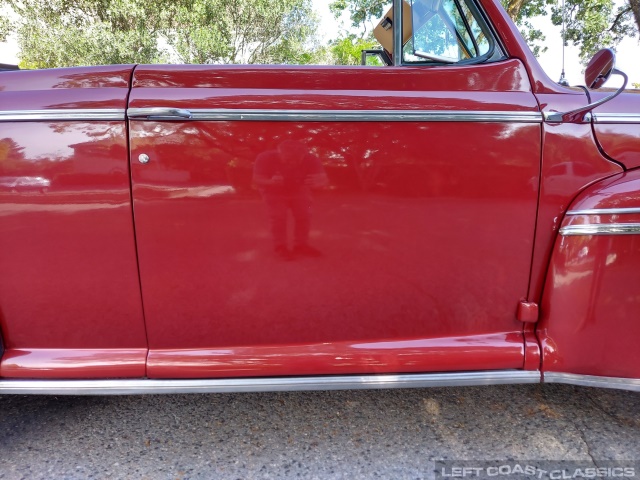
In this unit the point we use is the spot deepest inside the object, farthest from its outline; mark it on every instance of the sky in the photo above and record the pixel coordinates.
(551, 61)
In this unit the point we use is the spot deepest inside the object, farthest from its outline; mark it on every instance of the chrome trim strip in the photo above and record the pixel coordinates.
(62, 114)
(601, 229)
(159, 113)
(235, 385)
(616, 117)
(593, 381)
(226, 114)
(604, 211)
(558, 117)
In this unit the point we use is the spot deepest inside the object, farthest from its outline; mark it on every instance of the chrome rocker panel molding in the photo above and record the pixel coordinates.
(226, 114)
(280, 384)
(76, 114)
(593, 381)
(601, 229)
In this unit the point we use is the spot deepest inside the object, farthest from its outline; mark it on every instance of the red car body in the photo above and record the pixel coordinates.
(457, 237)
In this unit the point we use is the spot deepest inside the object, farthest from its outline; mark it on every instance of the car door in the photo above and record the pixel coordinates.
(324, 220)
(69, 289)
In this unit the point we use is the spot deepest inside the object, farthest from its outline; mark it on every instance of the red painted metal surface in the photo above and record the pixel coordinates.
(480, 352)
(270, 85)
(67, 253)
(570, 162)
(599, 68)
(591, 303)
(620, 141)
(527, 312)
(424, 240)
(73, 363)
(65, 88)
(109, 76)
(416, 217)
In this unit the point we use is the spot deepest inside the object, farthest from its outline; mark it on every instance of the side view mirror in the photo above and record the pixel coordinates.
(598, 71)
(600, 68)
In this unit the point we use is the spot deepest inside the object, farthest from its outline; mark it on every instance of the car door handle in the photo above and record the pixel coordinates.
(158, 113)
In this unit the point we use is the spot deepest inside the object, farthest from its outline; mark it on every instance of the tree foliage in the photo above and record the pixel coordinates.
(243, 31)
(590, 24)
(347, 48)
(5, 28)
(361, 12)
(595, 24)
(53, 33)
(521, 12)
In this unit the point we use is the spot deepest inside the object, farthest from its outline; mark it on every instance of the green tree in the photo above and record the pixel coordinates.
(348, 50)
(521, 12)
(361, 12)
(595, 24)
(55, 33)
(244, 31)
(5, 28)
(590, 24)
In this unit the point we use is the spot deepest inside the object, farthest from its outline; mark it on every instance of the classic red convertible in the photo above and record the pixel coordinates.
(452, 218)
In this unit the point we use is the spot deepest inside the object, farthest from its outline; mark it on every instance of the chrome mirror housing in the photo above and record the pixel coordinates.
(600, 68)
(598, 71)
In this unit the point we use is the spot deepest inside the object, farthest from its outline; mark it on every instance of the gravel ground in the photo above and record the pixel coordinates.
(351, 434)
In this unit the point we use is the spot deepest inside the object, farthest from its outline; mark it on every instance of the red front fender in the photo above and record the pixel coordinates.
(590, 322)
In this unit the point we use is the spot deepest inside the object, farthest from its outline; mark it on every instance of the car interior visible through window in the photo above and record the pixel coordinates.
(437, 32)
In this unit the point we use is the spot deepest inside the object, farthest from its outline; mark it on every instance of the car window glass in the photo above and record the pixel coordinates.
(445, 31)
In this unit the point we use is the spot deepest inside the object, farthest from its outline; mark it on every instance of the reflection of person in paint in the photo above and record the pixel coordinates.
(285, 177)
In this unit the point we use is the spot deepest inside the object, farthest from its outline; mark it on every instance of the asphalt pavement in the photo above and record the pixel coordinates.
(393, 434)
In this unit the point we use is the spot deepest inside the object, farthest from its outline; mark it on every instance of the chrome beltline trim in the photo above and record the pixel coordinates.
(602, 229)
(604, 211)
(235, 385)
(62, 114)
(593, 381)
(616, 117)
(224, 114)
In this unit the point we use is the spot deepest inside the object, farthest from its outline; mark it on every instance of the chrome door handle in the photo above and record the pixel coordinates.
(158, 113)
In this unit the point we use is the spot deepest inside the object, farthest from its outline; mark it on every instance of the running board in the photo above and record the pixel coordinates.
(592, 381)
(298, 384)
(267, 384)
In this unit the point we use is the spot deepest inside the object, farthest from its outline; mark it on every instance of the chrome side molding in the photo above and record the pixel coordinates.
(226, 114)
(616, 117)
(231, 114)
(279, 384)
(162, 113)
(632, 384)
(605, 211)
(76, 114)
(159, 113)
(601, 229)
